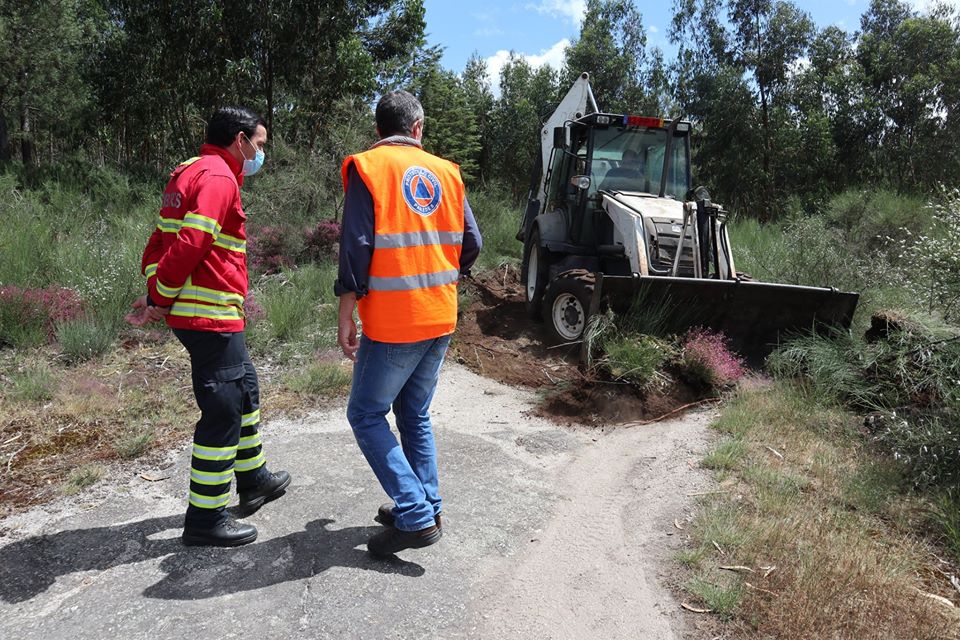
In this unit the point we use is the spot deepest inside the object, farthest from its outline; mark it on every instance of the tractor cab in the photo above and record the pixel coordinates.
(613, 153)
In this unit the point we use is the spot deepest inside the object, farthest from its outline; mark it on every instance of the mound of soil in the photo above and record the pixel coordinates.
(497, 339)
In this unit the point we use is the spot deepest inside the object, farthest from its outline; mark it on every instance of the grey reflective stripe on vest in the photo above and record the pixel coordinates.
(406, 283)
(416, 239)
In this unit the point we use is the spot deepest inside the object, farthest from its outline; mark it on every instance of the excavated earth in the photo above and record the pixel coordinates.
(497, 339)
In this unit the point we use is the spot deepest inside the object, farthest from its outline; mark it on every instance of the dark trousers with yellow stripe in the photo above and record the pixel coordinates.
(226, 441)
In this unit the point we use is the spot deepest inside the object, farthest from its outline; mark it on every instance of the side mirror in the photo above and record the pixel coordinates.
(559, 137)
(580, 182)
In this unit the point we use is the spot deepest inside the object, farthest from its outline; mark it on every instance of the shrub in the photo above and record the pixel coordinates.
(84, 338)
(637, 359)
(29, 317)
(273, 248)
(705, 360)
(906, 374)
(931, 262)
(866, 217)
(323, 241)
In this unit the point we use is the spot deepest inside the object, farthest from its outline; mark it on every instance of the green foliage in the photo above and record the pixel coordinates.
(868, 217)
(946, 513)
(133, 442)
(612, 49)
(320, 379)
(907, 377)
(637, 359)
(296, 303)
(931, 262)
(726, 455)
(527, 97)
(86, 476)
(84, 338)
(873, 486)
(17, 333)
(498, 220)
(450, 130)
(35, 382)
(720, 596)
(42, 91)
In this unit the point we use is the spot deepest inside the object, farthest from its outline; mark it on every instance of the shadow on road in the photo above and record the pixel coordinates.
(31, 566)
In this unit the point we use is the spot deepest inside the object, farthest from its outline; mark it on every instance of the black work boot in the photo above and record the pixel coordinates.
(385, 516)
(228, 533)
(392, 540)
(272, 487)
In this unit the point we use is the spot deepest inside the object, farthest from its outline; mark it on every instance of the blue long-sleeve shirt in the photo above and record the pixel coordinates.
(357, 233)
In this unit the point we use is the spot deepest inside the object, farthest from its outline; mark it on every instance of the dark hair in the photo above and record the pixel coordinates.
(396, 113)
(227, 122)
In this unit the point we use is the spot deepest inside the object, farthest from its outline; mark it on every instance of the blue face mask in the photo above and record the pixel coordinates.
(250, 167)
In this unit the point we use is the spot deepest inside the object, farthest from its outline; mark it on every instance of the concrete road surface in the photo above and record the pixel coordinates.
(549, 532)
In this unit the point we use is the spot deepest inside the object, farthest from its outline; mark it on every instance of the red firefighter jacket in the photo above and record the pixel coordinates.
(196, 259)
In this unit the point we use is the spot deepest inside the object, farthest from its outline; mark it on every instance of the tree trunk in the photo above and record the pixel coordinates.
(269, 92)
(26, 137)
(4, 139)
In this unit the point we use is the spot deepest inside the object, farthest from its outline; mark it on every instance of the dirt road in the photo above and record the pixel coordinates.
(550, 532)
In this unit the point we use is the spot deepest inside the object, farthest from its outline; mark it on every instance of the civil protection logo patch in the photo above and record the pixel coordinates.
(421, 189)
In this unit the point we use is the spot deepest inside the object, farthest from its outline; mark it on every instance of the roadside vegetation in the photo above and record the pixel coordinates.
(837, 512)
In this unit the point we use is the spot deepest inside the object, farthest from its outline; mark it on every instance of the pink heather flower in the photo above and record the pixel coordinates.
(706, 352)
(48, 306)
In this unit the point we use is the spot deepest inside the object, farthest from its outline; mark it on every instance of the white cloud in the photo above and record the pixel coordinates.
(552, 57)
(653, 29)
(572, 10)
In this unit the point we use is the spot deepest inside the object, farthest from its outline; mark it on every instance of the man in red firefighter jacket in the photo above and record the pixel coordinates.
(196, 268)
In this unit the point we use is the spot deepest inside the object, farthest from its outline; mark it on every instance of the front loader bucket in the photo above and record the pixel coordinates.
(755, 316)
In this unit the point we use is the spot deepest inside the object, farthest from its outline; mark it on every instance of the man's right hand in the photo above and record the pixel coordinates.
(347, 327)
(143, 313)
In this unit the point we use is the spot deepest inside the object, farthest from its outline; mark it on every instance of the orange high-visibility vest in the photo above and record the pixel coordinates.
(418, 233)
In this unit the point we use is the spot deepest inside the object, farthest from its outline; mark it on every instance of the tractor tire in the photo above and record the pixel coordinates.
(566, 305)
(536, 268)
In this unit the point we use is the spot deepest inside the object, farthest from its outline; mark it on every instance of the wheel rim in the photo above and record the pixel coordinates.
(569, 318)
(533, 268)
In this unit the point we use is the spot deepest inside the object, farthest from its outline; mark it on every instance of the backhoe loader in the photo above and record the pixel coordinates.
(612, 220)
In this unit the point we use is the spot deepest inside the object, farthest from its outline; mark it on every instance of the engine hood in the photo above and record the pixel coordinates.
(649, 206)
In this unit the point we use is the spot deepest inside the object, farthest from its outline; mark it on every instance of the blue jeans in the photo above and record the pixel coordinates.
(405, 376)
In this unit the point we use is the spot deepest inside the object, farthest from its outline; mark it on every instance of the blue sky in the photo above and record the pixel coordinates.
(540, 29)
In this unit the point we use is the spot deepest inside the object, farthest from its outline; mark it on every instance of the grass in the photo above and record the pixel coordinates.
(84, 338)
(86, 476)
(728, 454)
(720, 595)
(300, 307)
(33, 383)
(851, 549)
(320, 379)
(637, 359)
(498, 220)
(133, 443)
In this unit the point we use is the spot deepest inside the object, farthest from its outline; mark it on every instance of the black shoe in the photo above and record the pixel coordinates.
(385, 516)
(270, 489)
(228, 533)
(392, 540)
